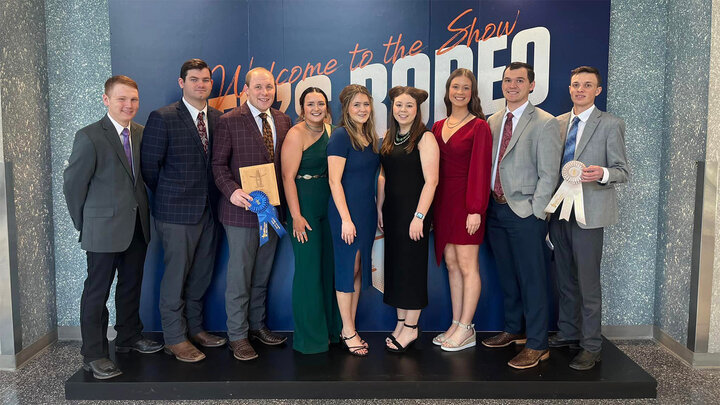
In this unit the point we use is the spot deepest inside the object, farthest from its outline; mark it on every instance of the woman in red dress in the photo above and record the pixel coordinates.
(462, 196)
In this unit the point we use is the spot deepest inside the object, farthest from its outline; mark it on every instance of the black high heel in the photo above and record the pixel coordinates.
(354, 350)
(390, 336)
(400, 348)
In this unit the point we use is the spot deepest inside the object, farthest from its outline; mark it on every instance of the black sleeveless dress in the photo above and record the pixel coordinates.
(406, 261)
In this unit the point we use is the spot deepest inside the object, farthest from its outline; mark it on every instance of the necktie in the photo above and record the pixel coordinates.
(570, 142)
(202, 130)
(267, 136)
(507, 134)
(128, 151)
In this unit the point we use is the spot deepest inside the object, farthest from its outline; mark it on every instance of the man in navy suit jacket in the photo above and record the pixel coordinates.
(176, 165)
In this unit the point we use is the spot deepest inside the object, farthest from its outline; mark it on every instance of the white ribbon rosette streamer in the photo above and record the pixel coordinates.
(570, 193)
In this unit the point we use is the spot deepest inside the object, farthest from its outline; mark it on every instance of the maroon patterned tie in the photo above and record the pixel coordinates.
(267, 136)
(507, 134)
(202, 130)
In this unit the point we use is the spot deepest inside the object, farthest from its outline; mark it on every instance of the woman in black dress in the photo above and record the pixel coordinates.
(409, 160)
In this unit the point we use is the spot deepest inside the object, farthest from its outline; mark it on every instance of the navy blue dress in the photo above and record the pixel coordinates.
(358, 181)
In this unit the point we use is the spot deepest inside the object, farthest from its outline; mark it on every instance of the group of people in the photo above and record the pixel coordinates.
(469, 179)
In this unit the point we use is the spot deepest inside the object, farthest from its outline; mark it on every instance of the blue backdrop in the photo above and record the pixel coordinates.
(332, 43)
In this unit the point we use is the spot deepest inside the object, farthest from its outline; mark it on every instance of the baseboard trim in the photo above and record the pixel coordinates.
(619, 332)
(699, 360)
(72, 333)
(15, 361)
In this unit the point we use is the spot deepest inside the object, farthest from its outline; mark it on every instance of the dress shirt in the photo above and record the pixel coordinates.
(194, 114)
(515, 119)
(584, 116)
(119, 128)
(256, 114)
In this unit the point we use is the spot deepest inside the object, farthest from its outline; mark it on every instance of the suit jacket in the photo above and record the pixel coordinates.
(99, 191)
(602, 144)
(239, 143)
(530, 168)
(175, 166)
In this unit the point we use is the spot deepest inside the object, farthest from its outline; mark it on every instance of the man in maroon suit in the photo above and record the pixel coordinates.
(249, 135)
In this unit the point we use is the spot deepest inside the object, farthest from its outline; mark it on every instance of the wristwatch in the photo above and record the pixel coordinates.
(419, 215)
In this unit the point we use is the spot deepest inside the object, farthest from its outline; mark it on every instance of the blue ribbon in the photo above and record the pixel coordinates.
(267, 214)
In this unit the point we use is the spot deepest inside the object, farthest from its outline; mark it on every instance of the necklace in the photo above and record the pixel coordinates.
(316, 130)
(457, 123)
(401, 138)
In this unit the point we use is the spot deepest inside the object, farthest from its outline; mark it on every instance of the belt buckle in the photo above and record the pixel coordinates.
(306, 176)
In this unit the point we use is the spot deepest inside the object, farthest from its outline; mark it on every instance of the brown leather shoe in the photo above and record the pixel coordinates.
(242, 349)
(185, 351)
(528, 358)
(267, 337)
(504, 339)
(205, 339)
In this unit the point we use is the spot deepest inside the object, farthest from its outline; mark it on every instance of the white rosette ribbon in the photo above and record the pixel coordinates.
(570, 193)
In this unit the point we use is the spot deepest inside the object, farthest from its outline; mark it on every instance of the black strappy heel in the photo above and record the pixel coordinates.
(400, 348)
(354, 350)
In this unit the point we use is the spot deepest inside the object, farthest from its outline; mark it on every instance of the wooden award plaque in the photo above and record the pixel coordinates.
(261, 177)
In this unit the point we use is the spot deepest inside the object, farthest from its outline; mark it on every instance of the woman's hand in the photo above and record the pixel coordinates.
(416, 229)
(299, 226)
(472, 223)
(380, 224)
(348, 232)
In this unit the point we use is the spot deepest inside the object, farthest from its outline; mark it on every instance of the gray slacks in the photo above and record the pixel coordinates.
(248, 274)
(189, 256)
(577, 264)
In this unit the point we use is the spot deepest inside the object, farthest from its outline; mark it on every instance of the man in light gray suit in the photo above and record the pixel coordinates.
(108, 204)
(597, 139)
(526, 161)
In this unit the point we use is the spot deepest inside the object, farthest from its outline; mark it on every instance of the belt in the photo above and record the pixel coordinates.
(310, 176)
(500, 199)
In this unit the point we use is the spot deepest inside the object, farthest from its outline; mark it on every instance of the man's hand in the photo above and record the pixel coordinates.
(240, 198)
(592, 173)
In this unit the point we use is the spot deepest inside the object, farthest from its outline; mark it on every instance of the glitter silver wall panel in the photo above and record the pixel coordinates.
(686, 107)
(78, 64)
(713, 154)
(23, 78)
(628, 268)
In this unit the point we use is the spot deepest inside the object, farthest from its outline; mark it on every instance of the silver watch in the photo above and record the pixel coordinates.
(419, 215)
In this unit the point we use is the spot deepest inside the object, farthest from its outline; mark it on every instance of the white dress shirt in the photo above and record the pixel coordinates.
(256, 114)
(194, 114)
(516, 117)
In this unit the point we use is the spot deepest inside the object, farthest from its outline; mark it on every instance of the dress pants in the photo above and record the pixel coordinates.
(248, 274)
(577, 264)
(93, 309)
(518, 246)
(189, 255)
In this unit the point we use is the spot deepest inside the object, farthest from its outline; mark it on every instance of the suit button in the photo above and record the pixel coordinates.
(134, 208)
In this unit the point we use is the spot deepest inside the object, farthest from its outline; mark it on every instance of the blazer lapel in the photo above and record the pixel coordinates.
(520, 127)
(590, 126)
(495, 130)
(189, 122)
(114, 139)
(564, 120)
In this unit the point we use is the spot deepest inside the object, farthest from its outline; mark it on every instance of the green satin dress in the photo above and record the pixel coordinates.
(315, 309)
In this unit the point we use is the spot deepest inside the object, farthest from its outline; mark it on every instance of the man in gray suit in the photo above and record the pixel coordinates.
(108, 204)
(597, 139)
(526, 160)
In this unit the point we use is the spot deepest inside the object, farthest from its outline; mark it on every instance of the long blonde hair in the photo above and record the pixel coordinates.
(367, 131)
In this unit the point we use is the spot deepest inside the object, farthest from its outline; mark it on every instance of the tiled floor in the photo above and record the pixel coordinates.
(41, 381)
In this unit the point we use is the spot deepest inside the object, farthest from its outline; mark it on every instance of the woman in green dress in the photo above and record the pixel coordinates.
(304, 172)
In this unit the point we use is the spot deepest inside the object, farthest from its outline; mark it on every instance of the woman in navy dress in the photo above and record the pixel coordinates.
(352, 165)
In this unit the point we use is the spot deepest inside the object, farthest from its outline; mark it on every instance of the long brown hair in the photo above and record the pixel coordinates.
(416, 130)
(474, 106)
(367, 131)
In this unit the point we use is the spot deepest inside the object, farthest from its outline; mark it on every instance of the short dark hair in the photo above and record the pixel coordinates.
(191, 64)
(520, 65)
(587, 69)
(119, 79)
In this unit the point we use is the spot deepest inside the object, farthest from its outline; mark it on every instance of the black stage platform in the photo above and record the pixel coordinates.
(424, 371)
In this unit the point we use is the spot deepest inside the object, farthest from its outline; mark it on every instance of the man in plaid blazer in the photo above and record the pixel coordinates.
(176, 165)
(251, 134)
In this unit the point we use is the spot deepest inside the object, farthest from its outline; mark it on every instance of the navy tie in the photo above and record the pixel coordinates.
(570, 142)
